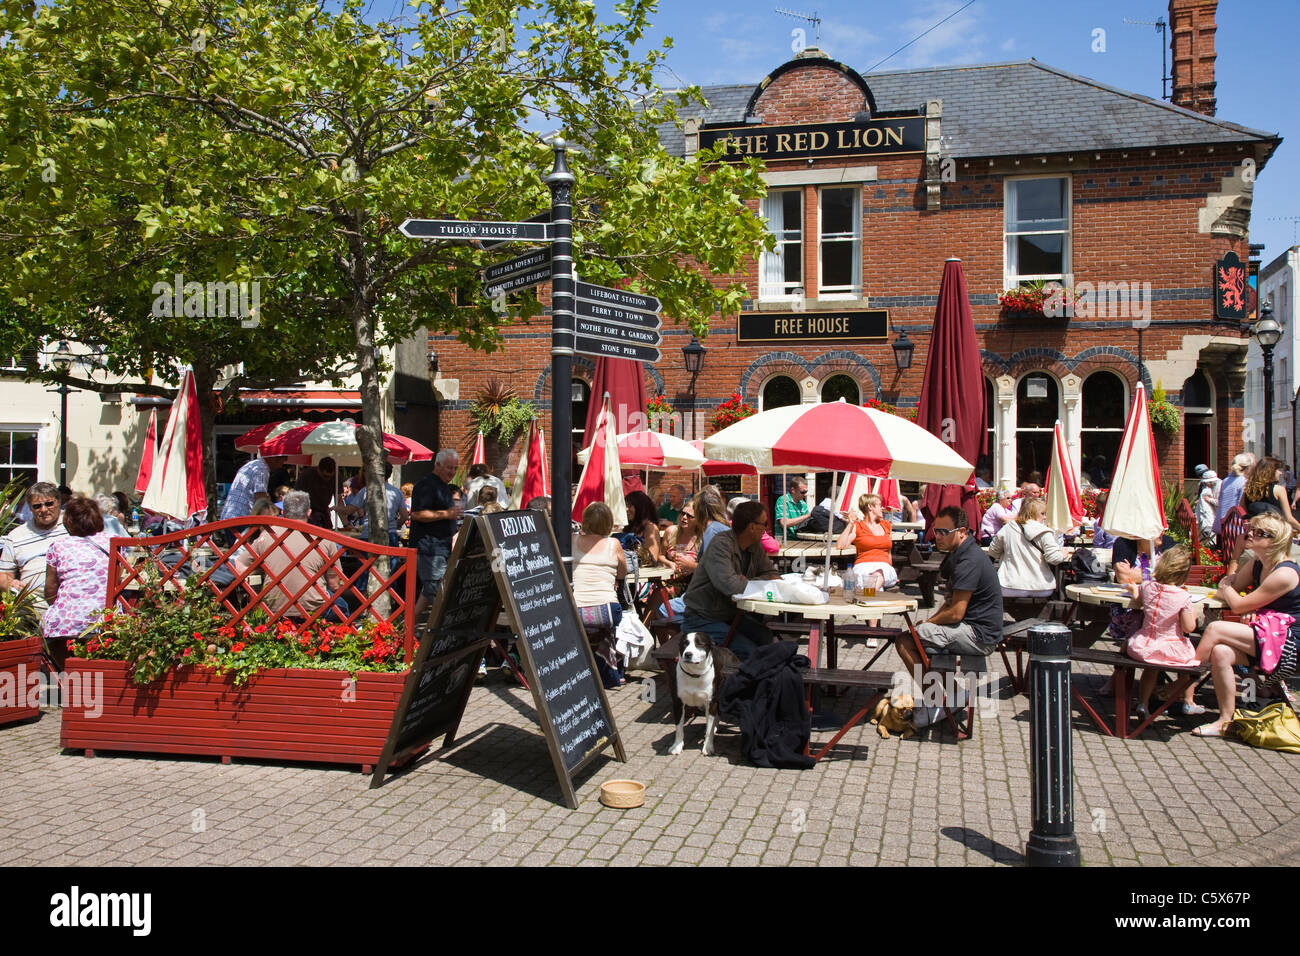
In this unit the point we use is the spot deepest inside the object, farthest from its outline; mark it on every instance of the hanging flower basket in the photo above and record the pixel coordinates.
(660, 412)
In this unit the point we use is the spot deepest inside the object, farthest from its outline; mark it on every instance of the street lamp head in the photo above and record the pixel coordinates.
(693, 356)
(1267, 332)
(903, 349)
(62, 357)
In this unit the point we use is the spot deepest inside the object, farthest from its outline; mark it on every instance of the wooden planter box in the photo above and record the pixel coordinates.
(279, 714)
(24, 654)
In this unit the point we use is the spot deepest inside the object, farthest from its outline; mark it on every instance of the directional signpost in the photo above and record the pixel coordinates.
(456, 229)
(585, 318)
(520, 272)
(616, 323)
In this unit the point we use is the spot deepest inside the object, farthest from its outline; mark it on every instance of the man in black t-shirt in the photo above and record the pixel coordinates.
(436, 508)
(970, 620)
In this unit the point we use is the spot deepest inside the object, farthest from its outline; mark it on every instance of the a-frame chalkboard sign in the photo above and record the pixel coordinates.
(508, 560)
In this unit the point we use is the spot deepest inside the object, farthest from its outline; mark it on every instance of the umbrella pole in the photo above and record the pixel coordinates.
(830, 529)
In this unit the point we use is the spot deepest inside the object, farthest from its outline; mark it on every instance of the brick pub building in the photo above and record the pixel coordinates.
(1024, 172)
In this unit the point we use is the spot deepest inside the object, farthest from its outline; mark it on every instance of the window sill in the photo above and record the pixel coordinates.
(788, 304)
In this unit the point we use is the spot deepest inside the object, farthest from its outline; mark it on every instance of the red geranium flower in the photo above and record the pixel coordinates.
(239, 646)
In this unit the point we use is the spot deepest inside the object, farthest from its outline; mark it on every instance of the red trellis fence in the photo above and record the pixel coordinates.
(242, 577)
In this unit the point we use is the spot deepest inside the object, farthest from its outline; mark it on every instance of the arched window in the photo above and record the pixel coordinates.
(1105, 410)
(779, 391)
(1038, 406)
(841, 386)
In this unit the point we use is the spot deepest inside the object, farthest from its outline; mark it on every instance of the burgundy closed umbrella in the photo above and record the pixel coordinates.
(621, 379)
(952, 392)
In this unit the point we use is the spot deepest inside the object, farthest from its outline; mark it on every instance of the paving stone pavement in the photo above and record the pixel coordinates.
(1169, 798)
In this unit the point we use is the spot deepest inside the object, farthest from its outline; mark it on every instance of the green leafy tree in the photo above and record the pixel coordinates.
(281, 140)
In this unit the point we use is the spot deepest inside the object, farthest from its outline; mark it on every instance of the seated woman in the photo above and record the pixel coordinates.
(1229, 644)
(870, 534)
(682, 540)
(598, 562)
(76, 577)
(1026, 551)
(643, 522)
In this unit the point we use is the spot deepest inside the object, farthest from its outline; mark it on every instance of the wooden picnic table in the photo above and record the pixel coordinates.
(1117, 595)
(819, 616)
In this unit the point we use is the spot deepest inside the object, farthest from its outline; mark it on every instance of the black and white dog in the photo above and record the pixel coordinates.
(701, 670)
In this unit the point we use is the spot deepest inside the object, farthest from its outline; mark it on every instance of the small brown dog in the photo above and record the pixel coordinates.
(894, 713)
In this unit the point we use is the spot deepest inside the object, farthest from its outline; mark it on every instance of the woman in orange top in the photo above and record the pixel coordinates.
(871, 536)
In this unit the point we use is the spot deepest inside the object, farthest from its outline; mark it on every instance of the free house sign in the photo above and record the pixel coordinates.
(848, 326)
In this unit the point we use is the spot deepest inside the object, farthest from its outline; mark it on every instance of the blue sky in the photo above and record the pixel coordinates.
(740, 41)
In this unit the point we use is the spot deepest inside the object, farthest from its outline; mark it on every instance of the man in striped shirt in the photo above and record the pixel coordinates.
(23, 550)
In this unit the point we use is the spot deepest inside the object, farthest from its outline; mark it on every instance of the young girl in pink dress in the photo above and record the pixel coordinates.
(1168, 615)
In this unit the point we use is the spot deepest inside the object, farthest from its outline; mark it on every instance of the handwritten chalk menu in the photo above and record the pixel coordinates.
(570, 699)
(441, 678)
(509, 559)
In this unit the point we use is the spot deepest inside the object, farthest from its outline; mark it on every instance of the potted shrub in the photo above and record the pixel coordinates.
(20, 656)
(171, 674)
(501, 417)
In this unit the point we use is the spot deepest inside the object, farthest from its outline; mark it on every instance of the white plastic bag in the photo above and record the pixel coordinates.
(634, 642)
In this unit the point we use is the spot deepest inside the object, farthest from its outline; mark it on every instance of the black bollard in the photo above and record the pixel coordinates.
(1051, 842)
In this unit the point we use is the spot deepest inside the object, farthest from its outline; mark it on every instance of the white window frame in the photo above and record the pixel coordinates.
(1013, 279)
(854, 291)
(785, 292)
(1017, 428)
(41, 432)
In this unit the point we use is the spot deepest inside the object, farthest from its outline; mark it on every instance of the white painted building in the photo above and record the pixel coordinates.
(1277, 283)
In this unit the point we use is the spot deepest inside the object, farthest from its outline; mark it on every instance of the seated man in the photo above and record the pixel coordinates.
(731, 560)
(792, 509)
(970, 620)
(297, 556)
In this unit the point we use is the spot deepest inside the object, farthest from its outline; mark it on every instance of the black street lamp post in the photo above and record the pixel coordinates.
(1267, 333)
(693, 359)
(62, 359)
(903, 349)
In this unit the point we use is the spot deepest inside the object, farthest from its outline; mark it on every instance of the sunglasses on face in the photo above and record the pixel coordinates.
(944, 532)
(42, 505)
(1261, 533)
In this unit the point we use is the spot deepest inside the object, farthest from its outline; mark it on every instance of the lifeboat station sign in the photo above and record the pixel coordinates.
(876, 137)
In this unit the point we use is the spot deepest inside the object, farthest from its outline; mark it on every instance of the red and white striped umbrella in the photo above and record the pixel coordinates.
(150, 452)
(712, 468)
(646, 450)
(857, 485)
(338, 440)
(1064, 500)
(176, 485)
(1135, 504)
(601, 478)
(837, 436)
(533, 477)
(479, 457)
(253, 439)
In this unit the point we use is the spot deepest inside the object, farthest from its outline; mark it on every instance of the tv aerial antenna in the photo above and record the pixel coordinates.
(1295, 224)
(815, 20)
(1161, 27)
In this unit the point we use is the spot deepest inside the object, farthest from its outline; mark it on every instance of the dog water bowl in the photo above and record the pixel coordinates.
(622, 794)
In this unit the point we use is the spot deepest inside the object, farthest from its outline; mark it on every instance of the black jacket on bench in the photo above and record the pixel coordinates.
(766, 698)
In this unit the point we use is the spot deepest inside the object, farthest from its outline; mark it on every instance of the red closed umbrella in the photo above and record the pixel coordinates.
(622, 381)
(952, 392)
(478, 458)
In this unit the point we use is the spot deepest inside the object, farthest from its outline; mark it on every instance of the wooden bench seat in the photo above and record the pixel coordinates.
(1125, 667)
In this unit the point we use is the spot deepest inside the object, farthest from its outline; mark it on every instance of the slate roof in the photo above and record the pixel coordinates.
(1017, 109)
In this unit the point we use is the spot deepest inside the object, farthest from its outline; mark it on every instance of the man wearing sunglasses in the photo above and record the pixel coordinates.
(23, 550)
(970, 620)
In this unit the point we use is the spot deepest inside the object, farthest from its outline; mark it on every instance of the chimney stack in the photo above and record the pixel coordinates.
(1191, 32)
